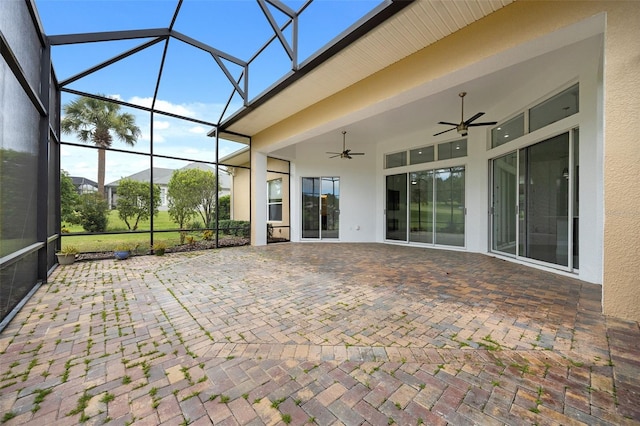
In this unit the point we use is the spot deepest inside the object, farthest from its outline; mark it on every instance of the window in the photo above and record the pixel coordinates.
(453, 149)
(397, 159)
(555, 108)
(508, 131)
(549, 111)
(274, 207)
(421, 155)
(163, 196)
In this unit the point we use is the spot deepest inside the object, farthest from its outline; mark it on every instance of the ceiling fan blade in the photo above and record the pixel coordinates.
(439, 133)
(475, 117)
(334, 156)
(356, 153)
(333, 153)
(487, 123)
(448, 123)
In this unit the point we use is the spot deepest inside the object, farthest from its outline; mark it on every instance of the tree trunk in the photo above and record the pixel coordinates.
(101, 163)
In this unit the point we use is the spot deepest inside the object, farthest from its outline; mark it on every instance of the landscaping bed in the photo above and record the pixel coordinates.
(225, 241)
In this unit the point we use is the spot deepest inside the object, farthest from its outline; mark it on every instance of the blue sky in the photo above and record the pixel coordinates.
(192, 84)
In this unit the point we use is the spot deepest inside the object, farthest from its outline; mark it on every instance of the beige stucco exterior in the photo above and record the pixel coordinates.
(276, 169)
(240, 189)
(512, 26)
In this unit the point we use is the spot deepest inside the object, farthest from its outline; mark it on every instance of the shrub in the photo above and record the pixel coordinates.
(223, 226)
(160, 245)
(240, 228)
(123, 247)
(93, 210)
(224, 207)
(159, 248)
(207, 235)
(69, 249)
(196, 224)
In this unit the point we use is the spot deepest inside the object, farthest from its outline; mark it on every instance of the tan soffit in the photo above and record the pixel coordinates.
(422, 23)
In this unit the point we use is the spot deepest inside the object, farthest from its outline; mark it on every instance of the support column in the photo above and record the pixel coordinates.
(621, 297)
(258, 198)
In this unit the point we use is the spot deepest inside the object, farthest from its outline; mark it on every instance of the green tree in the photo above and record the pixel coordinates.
(206, 188)
(69, 198)
(97, 121)
(93, 210)
(183, 198)
(134, 202)
(192, 192)
(224, 207)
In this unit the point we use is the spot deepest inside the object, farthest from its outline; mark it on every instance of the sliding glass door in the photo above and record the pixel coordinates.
(321, 207)
(421, 207)
(533, 194)
(427, 207)
(544, 230)
(504, 207)
(450, 206)
(396, 210)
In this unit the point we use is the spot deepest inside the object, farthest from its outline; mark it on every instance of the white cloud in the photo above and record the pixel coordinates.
(159, 125)
(165, 106)
(199, 130)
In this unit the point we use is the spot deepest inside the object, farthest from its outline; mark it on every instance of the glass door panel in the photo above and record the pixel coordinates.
(450, 208)
(544, 193)
(330, 207)
(504, 203)
(310, 207)
(421, 207)
(576, 199)
(320, 207)
(396, 211)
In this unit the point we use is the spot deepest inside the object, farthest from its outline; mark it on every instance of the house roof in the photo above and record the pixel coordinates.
(238, 158)
(77, 181)
(161, 176)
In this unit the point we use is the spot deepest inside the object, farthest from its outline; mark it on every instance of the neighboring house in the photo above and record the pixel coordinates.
(559, 78)
(84, 185)
(161, 177)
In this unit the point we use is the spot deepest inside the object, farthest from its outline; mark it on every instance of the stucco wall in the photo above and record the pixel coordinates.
(505, 29)
(622, 162)
(240, 191)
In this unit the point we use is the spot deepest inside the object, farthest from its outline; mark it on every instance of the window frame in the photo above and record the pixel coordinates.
(274, 203)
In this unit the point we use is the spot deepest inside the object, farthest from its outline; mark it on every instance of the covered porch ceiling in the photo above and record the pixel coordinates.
(489, 83)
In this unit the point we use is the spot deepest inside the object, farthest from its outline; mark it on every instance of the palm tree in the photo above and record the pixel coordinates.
(95, 120)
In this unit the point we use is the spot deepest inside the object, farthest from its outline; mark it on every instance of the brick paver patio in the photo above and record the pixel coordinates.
(327, 333)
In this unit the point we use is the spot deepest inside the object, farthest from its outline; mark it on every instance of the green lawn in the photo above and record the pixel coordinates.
(444, 219)
(107, 242)
(161, 221)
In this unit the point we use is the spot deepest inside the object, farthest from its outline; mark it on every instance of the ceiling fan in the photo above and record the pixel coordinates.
(346, 153)
(463, 126)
